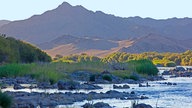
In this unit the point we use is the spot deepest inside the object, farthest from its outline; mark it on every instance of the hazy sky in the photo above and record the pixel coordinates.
(158, 9)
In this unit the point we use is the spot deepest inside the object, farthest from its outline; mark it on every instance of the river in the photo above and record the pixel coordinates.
(160, 95)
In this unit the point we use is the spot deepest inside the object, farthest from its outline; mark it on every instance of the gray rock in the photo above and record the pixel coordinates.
(18, 86)
(174, 83)
(132, 92)
(68, 85)
(88, 86)
(121, 87)
(102, 105)
(71, 85)
(126, 86)
(3, 87)
(27, 100)
(169, 83)
(142, 105)
(140, 85)
(144, 97)
(44, 85)
(87, 105)
(97, 105)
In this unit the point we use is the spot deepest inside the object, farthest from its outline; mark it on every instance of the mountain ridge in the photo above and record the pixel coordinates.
(84, 26)
(4, 22)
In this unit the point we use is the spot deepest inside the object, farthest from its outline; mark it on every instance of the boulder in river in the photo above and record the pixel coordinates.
(17, 86)
(121, 87)
(67, 85)
(142, 105)
(97, 105)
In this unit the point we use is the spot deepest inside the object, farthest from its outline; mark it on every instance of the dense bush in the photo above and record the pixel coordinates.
(76, 58)
(143, 66)
(184, 58)
(92, 78)
(107, 77)
(16, 51)
(5, 100)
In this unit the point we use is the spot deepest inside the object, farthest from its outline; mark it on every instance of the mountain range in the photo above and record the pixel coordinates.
(73, 30)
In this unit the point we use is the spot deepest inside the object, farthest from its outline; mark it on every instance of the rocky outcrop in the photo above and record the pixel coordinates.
(44, 100)
(179, 72)
(72, 85)
(18, 80)
(67, 85)
(46, 85)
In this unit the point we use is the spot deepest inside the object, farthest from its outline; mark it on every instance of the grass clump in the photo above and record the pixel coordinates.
(122, 73)
(143, 66)
(134, 77)
(14, 70)
(41, 72)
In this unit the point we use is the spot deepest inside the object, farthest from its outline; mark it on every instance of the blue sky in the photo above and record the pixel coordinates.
(158, 9)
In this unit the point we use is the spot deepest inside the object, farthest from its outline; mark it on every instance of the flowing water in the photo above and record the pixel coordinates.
(160, 95)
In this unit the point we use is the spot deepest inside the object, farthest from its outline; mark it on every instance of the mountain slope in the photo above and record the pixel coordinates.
(149, 43)
(16, 51)
(65, 19)
(4, 22)
(80, 22)
(80, 43)
(153, 42)
(74, 29)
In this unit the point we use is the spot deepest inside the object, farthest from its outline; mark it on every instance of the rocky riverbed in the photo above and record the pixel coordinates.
(77, 84)
(34, 99)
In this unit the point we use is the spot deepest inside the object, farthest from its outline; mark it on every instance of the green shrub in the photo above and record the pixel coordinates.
(107, 77)
(143, 66)
(5, 100)
(92, 78)
(170, 64)
(134, 77)
(122, 73)
(16, 51)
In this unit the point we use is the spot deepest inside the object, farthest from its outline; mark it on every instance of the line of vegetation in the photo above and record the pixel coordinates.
(159, 59)
(55, 71)
(42, 72)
